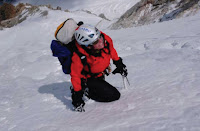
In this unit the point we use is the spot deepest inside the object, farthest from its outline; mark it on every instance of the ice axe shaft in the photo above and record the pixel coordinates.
(125, 81)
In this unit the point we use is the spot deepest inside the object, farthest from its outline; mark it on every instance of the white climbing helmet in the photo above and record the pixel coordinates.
(86, 34)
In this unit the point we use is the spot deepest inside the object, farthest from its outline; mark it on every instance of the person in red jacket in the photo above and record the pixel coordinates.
(88, 72)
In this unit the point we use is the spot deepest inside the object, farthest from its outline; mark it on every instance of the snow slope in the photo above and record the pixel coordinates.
(163, 61)
(112, 9)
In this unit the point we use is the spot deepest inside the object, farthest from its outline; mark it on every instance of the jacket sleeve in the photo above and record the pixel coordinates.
(76, 69)
(113, 52)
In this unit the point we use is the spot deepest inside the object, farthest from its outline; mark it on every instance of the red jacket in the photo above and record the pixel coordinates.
(97, 64)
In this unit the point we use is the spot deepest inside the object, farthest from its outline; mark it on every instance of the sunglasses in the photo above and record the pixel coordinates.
(96, 42)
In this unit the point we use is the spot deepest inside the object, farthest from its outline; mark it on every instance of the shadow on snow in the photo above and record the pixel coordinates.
(60, 90)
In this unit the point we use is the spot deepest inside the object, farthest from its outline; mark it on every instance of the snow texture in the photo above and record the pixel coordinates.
(163, 62)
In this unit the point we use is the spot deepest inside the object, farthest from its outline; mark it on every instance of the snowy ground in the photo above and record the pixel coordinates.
(163, 61)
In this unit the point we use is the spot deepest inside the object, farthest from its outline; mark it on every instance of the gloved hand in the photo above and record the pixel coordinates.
(77, 101)
(80, 23)
(121, 68)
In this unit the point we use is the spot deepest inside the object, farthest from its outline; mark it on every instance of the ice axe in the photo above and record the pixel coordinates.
(124, 76)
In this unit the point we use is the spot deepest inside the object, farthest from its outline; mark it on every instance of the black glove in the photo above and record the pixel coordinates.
(80, 23)
(121, 68)
(77, 101)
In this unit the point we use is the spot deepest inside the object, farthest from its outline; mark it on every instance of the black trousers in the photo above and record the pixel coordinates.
(102, 91)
